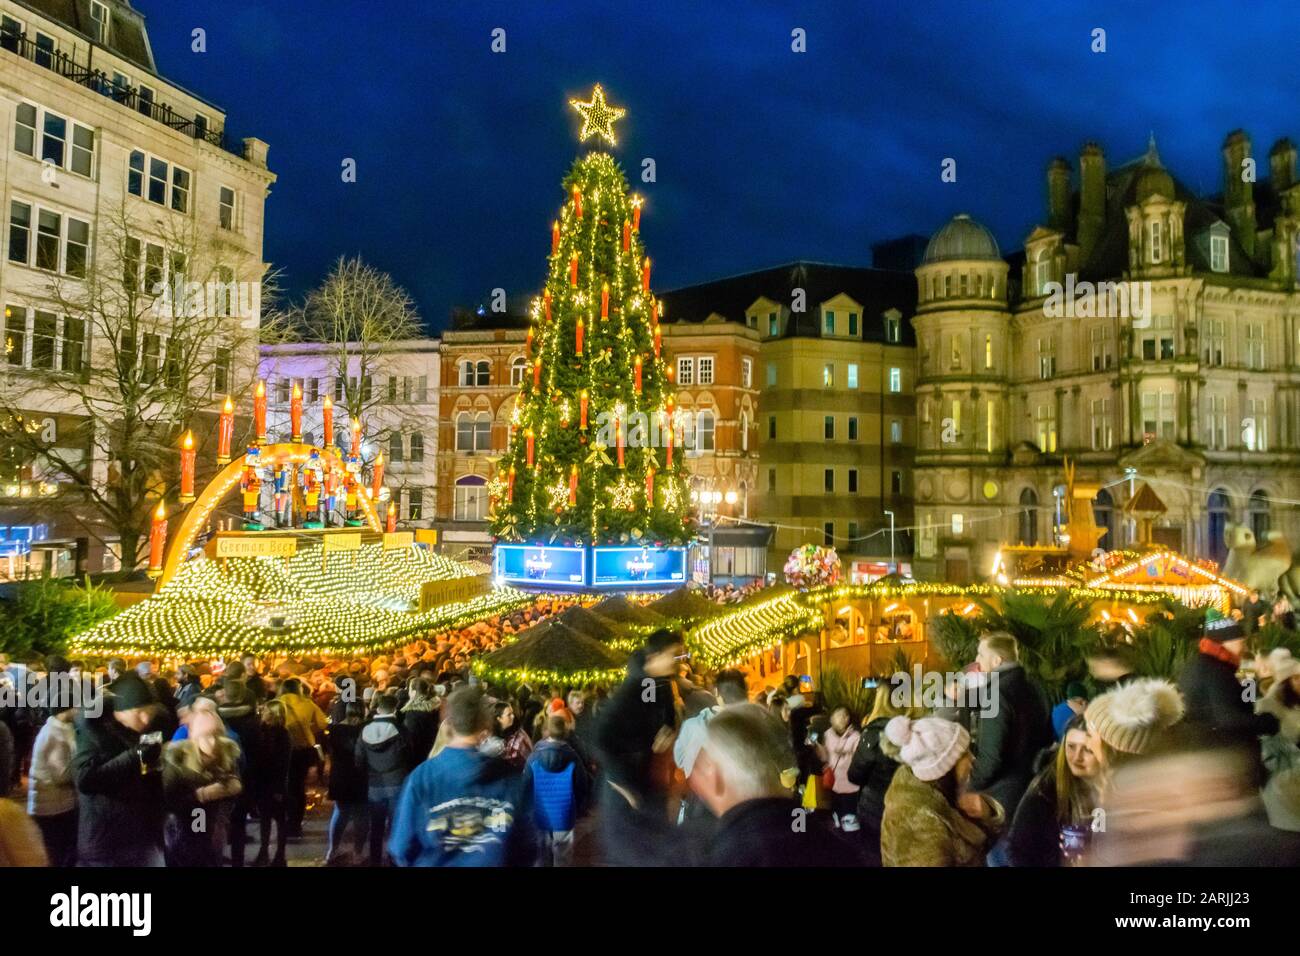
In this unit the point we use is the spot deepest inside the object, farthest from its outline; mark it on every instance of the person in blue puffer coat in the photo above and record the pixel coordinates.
(560, 785)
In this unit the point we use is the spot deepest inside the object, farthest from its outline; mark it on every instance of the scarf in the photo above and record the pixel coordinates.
(1217, 651)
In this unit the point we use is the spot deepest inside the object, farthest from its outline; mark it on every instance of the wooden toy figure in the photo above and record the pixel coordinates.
(350, 501)
(250, 486)
(311, 491)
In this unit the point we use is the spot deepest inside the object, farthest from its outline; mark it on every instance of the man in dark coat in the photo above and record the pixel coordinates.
(118, 771)
(383, 755)
(738, 776)
(1218, 714)
(1012, 729)
(872, 769)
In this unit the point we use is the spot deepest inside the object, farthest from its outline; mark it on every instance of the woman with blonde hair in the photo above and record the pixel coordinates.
(874, 762)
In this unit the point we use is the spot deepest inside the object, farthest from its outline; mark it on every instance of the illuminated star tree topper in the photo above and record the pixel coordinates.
(598, 117)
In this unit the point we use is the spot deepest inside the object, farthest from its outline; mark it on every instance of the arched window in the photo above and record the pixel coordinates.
(471, 498)
(395, 446)
(1258, 511)
(704, 425)
(464, 432)
(1103, 514)
(1042, 271)
(417, 446)
(744, 431)
(483, 432)
(483, 372)
(473, 432)
(466, 373)
(518, 368)
(1217, 513)
(1029, 517)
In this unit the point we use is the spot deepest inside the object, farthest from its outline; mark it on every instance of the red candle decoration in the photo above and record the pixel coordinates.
(627, 235)
(528, 343)
(604, 301)
(670, 441)
(529, 438)
(537, 372)
(157, 540)
(637, 374)
(356, 438)
(577, 202)
(327, 420)
(582, 410)
(669, 373)
(378, 476)
(225, 432)
(650, 485)
(573, 270)
(645, 276)
(187, 468)
(618, 437)
(581, 329)
(636, 214)
(573, 485)
(546, 300)
(295, 413)
(555, 237)
(259, 411)
(510, 484)
(392, 518)
(659, 339)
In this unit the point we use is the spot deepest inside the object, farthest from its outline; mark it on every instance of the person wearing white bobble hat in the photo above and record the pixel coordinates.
(930, 818)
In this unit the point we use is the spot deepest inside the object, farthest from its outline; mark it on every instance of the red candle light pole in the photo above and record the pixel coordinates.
(391, 526)
(637, 374)
(510, 484)
(529, 438)
(356, 438)
(537, 372)
(528, 343)
(604, 301)
(581, 329)
(187, 468)
(618, 435)
(157, 540)
(659, 338)
(573, 485)
(627, 235)
(378, 482)
(555, 237)
(259, 411)
(573, 270)
(225, 432)
(645, 276)
(650, 485)
(546, 301)
(577, 202)
(327, 420)
(582, 410)
(636, 214)
(295, 413)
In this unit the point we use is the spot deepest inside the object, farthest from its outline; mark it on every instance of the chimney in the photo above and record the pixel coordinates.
(255, 151)
(1092, 198)
(1238, 195)
(1281, 161)
(1058, 195)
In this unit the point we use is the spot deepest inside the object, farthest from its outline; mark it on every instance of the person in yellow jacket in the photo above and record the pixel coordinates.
(304, 720)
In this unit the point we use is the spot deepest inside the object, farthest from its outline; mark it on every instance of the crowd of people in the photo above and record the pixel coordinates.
(424, 765)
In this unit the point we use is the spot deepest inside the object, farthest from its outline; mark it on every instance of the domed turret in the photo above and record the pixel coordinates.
(962, 238)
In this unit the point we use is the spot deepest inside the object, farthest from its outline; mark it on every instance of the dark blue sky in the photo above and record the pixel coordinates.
(763, 155)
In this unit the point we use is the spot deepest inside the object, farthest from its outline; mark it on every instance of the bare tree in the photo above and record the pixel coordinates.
(159, 327)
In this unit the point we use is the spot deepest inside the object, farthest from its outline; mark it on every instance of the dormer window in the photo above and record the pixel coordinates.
(893, 328)
(99, 21)
(1157, 243)
(1219, 253)
(828, 323)
(1042, 271)
(773, 325)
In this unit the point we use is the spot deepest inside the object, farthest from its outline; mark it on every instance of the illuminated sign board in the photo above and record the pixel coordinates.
(398, 539)
(343, 542)
(531, 564)
(251, 547)
(621, 567)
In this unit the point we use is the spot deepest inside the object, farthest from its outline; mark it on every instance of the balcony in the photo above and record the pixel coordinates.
(129, 96)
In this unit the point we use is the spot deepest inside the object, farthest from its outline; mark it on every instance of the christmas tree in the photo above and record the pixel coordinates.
(593, 458)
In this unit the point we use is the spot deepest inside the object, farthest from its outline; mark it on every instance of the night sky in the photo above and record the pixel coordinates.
(763, 155)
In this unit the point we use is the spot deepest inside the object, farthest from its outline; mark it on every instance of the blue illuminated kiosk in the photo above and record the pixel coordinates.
(589, 567)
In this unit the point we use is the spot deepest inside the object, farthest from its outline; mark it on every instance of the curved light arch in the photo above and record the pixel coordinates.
(196, 516)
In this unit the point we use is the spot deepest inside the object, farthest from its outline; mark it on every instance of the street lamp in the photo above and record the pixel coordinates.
(891, 541)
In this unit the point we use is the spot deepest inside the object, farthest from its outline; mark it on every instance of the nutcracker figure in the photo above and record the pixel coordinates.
(250, 487)
(311, 490)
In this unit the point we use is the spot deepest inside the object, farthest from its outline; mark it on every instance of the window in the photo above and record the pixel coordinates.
(473, 432)
(99, 21)
(471, 498)
(135, 174)
(1254, 430)
(200, 126)
(773, 325)
(704, 427)
(74, 344)
(45, 327)
(893, 328)
(76, 248)
(312, 391)
(283, 391)
(686, 371)
(20, 232)
(828, 323)
(853, 324)
(415, 504)
(988, 351)
(1158, 415)
(1045, 423)
(144, 100)
(163, 178)
(744, 431)
(895, 482)
(54, 139)
(518, 369)
(990, 426)
(61, 243)
(747, 373)
(954, 354)
(853, 532)
(1157, 241)
(706, 370)
(828, 375)
(828, 480)
(1103, 437)
(159, 174)
(896, 432)
(44, 51)
(1042, 271)
(852, 377)
(853, 481)
(1099, 340)
(853, 428)
(958, 524)
(828, 428)
(421, 389)
(771, 427)
(1028, 517)
(1255, 346)
(180, 189)
(771, 481)
(963, 285)
(1216, 434)
(1257, 511)
(1219, 253)
(25, 129)
(895, 379)
(828, 534)
(1213, 338)
(396, 451)
(15, 335)
(82, 158)
(226, 207)
(10, 32)
(1046, 357)
(221, 367)
(771, 375)
(417, 447)
(49, 227)
(392, 390)
(956, 416)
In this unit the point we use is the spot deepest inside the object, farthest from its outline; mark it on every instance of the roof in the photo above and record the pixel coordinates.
(876, 290)
(961, 238)
(127, 36)
(1145, 501)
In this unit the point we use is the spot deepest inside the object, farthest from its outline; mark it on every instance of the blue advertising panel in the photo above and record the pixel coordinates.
(624, 567)
(535, 565)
